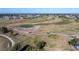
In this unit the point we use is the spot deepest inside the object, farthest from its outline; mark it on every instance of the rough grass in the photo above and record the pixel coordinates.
(63, 22)
(54, 36)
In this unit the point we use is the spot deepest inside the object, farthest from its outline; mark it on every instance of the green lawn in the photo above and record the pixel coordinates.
(27, 26)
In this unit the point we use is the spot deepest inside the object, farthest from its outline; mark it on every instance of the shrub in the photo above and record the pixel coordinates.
(13, 33)
(72, 42)
(26, 48)
(4, 29)
(16, 47)
(20, 47)
(40, 44)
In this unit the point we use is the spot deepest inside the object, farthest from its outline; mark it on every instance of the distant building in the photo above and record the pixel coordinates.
(6, 17)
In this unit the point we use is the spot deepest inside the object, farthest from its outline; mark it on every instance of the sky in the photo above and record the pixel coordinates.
(40, 10)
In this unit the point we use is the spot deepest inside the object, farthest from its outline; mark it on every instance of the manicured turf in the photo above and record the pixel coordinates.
(27, 26)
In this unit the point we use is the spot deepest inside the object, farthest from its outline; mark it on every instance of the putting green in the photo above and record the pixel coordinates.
(27, 25)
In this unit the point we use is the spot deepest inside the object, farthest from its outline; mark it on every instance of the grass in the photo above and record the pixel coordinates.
(54, 36)
(27, 26)
(58, 43)
(63, 22)
(77, 29)
(73, 30)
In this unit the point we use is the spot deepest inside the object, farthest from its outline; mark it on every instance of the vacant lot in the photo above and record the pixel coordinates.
(55, 42)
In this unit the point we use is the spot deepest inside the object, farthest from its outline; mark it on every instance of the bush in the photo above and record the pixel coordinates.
(16, 47)
(72, 42)
(13, 33)
(40, 44)
(4, 29)
(26, 48)
(20, 47)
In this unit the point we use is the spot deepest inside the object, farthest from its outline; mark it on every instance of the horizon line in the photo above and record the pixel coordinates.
(39, 10)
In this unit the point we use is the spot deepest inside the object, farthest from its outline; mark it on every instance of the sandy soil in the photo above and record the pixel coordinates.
(4, 44)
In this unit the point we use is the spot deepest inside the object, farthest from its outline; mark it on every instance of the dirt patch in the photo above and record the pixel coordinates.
(4, 44)
(57, 43)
